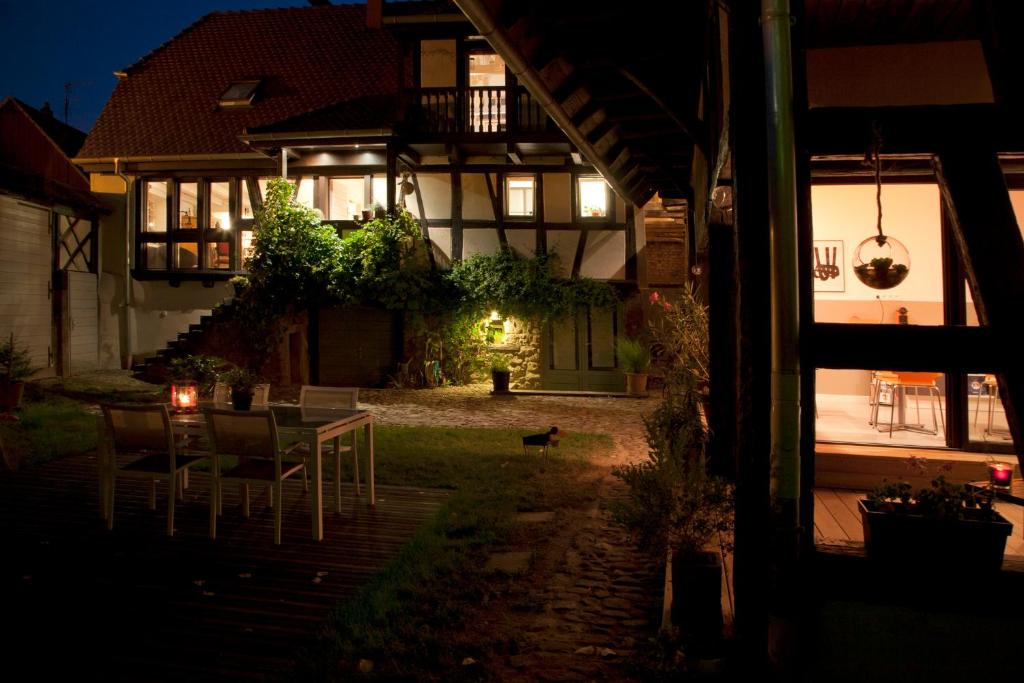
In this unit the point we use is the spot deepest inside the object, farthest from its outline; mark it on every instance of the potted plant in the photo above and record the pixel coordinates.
(500, 373)
(378, 210)
(242, 383)
(240, 283)
(674, 507)
(944, 528)
(15, 368)
(634, 359)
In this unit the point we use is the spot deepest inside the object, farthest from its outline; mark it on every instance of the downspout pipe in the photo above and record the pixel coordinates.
(785, 313)
(785, 331)
(129, 298)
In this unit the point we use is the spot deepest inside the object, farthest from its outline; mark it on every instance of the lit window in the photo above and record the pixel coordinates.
(220, 206)
(379, 190)
(186, 255)
(155, 256)
(304, 195)
(347, 199)
(519, 196)
(239, 94)
(188, 205)
(247, 212)
(218, 256)
(247, 245)
(486, 71)
(156, 206)
(593, 194)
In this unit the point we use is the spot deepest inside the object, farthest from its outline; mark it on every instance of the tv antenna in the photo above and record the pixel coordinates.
(69, 87)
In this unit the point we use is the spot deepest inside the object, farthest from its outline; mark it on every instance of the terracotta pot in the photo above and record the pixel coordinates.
(636, 383)
(10, 395)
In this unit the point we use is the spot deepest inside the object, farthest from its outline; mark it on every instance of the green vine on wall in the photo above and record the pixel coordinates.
(299, 263)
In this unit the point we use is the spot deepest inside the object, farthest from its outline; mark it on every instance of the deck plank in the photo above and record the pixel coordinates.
(140, 606)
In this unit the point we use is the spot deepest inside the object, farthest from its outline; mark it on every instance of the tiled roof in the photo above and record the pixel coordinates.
(68, 138)
(363, 113)
(307, 58)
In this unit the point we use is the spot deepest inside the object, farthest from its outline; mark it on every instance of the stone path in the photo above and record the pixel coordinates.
(589, 597)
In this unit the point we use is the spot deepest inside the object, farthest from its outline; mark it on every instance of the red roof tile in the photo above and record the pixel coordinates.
(306, 57)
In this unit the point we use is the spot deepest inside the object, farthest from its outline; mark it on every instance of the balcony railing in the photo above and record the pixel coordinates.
(480, 110)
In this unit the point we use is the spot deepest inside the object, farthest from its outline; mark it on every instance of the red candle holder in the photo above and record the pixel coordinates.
(1000, 475)
(185, 396)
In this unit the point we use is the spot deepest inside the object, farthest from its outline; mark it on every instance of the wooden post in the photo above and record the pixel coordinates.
(752, 389)
(992, 251)
(456, 216)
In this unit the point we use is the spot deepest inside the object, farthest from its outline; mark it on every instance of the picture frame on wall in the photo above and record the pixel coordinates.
(829, 266)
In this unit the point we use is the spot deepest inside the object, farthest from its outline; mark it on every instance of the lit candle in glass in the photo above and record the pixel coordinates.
(1000, 474)
(184, 395)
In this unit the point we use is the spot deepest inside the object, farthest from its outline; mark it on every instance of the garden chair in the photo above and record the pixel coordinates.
(251, 437)
(222, 394)
(144, 433)
(332, 397)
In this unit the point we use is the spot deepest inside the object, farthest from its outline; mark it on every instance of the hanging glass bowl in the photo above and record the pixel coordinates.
(881, 262)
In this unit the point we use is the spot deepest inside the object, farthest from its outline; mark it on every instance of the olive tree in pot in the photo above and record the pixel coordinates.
(675, 507)
(15, 368)
(243, 384)
(634, 359)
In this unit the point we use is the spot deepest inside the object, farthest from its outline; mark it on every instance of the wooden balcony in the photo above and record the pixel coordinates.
(478, 111)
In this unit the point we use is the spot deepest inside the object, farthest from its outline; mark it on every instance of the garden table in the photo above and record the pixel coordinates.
(314, 426)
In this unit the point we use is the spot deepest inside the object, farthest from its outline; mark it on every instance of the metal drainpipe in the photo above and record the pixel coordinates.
(129, 298)
(785, 314)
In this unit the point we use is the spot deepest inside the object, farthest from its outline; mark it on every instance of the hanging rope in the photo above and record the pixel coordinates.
(876, 129)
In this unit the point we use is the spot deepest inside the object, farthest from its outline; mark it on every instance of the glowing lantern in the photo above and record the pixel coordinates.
(1000, 474)
(185, 396)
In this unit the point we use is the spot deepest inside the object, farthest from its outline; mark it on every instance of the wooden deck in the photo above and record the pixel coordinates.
(837, 520)
(133, 604)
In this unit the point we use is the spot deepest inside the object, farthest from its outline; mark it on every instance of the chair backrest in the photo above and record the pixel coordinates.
(918, 378)
(250, 433)
(139, 428)
(260, 394)
(328, 397)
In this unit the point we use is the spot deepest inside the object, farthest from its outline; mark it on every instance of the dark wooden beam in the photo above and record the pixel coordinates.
(423, 220)
(456, 216)
(991, 249)
(513, 154)
(999, 24)
(924, 348)
(496, 206)
(909, 130)
(748, 400)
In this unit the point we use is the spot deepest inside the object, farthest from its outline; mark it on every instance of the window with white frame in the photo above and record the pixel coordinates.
(519, 196)
(592, 193)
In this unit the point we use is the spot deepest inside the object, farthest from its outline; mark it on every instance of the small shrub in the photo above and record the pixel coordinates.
(633, 355)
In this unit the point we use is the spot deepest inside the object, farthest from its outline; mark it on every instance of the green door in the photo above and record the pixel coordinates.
(578, 352)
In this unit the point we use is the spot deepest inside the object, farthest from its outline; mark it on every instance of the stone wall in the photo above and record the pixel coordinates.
(522, 346)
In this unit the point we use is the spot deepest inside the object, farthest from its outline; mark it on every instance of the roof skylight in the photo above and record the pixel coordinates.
(239, 94)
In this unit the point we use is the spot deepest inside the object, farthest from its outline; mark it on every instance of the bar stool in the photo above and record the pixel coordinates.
(992, 391)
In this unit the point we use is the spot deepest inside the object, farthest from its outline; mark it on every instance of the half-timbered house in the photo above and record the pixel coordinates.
(365, 110)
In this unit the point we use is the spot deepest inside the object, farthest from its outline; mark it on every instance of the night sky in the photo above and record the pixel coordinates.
(45, 44)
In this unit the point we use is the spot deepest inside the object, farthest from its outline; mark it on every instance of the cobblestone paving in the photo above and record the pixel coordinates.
(589, 597)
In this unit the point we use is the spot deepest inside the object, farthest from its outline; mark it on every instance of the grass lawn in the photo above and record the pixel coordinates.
(400, 620)
(49, 427)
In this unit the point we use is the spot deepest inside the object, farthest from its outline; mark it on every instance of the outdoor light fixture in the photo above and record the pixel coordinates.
(1000, 475)
(185, 395)
(880, 261)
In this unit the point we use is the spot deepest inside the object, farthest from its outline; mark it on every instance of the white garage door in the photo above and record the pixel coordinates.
(82, 351)
(26, 255)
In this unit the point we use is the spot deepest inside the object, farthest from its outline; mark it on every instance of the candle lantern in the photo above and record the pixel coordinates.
(185, 395)
(1000, 475)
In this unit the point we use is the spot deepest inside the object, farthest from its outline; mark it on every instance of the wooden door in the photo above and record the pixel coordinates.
(578, 352)
(26, 265)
